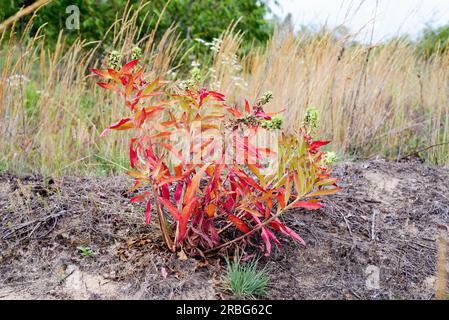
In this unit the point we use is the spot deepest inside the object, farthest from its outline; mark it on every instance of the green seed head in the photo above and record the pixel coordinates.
(136, 53)
(114, 61)
(195, 75)
(311, 118)
(330, 158)
(267, 97)
(275, 123)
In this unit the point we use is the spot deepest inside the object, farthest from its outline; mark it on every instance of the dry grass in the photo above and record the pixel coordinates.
(51, 114)
(379, 100)
(373, 100)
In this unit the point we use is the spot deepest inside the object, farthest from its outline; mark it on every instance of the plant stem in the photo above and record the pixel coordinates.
(260, 226)
(162, 222)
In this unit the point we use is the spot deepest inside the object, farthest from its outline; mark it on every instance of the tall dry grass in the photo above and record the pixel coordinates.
(51, 113)
(373, 100)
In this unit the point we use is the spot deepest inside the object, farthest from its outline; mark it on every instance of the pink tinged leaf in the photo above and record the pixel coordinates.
(293, 234)
(178, 191)
(266, 239)
(266, 236)
(277, 225)
(213, 232)
(308, 205)
(264, 115)
(148, 212)
(273, 237)
(140, 197)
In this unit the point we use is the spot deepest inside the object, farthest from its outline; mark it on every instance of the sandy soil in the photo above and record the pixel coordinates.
(374, 240)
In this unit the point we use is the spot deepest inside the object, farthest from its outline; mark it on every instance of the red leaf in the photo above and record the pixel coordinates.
(194, 185)
(239, 223)
(277, 225)
(103, 74)
(141, 118)
(247, 108)
(229, 204)
(148, 212)
(308, 205)
(266, 239)
(120, 125)
(165, 192)
(203, 95)
(281, 200)
(178, 191)
(234, 112)
(133, 158)
(264, 115)
(128, 66)
(213, 233)
(140, 197)
(170, 148)
(318, 144)
(266, 236)
(248, 180)
(105, 85)
(218, 96)
(170, 207)
(186, 212)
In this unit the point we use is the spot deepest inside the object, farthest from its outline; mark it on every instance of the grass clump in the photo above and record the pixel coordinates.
(245, 280)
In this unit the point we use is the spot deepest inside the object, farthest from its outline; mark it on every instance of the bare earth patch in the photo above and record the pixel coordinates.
(385, 219)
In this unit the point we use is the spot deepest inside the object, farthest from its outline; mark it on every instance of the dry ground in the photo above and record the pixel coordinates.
(387, 216)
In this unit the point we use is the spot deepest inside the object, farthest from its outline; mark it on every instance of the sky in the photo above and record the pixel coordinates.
(390, 17)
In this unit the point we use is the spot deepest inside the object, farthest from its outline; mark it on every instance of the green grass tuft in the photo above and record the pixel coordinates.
(245, 280)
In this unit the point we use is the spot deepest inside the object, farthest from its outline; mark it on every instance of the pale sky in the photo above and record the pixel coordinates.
(393, 16)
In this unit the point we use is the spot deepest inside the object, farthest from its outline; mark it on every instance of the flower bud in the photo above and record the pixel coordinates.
(114, 61)
(267, 97)
(311, 118)
(136, 53)
(330, 158)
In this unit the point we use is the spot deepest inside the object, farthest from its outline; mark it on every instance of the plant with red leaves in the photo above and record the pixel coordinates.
(200, 163)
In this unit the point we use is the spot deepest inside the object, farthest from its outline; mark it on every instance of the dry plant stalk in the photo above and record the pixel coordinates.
(22, 13)
(441, 287)
(402, 105)
(50, 116)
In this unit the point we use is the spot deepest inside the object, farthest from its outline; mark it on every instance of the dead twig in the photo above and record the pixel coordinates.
(23, 12)
(373, 225)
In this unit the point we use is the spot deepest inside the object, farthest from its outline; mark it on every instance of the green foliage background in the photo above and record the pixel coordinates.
(204, 19)
(434, 40)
